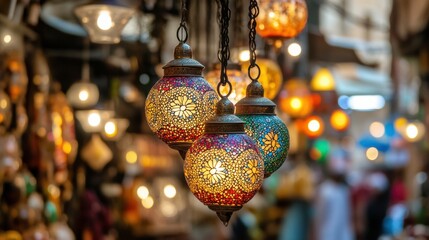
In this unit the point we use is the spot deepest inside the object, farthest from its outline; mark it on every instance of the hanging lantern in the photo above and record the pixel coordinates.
(180, 102)
(295, 99)
(239, 81)
(323, 81)
(114, 128)
(314, 126)
(83, 94)
(93, 121)
(5, 112)
(339, 120)
(271, 76)
(281, 19)
(262, 125)
(223, 167)
(104, 23)
(18, 80)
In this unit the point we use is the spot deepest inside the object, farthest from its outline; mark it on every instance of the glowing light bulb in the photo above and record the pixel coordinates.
(170, 191)
(131, 157)
(314, 125)
(83, 95)
(244, 56)
(3, 103)
(7, 38)
(110, 129)
(147, 202)
(94, 119)
(67, 147)
(104, 20)
(294, 49)
(372, 153)
(376, 129)
(412, 131)
(296, 103)
(142, 192)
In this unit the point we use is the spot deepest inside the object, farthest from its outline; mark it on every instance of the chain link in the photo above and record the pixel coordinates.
(253, 13)
(182, 31)
(224, 53)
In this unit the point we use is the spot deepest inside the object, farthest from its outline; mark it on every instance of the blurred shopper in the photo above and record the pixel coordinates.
(361, 193)
(333, 213)
(377, 206)
(296, 190)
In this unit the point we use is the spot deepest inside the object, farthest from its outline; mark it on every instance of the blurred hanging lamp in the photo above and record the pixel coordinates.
(83, 94)
(114, 128)
(93, 121)
(295, 99)
(182, 100)
(271, 77)
(262, 124)
(314, 126)
(239, 81)
(223, 167)
(339, 120)
(5, 112)
(323, 81)
(104, 22)
(281, 19)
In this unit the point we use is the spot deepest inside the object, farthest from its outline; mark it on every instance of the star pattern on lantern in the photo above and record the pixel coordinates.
(183, 107)
(271, 142)
(214, 171)
(252, 170)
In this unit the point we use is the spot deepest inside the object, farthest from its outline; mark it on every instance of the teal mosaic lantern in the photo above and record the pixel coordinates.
(267, 130)
(261, 123)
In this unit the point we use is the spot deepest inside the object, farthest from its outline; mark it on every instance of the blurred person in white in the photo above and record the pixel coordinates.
(333, 205)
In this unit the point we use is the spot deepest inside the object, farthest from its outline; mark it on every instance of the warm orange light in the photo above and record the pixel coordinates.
(314, 126)
(323, 80)
(339, 120)
(295, 99)
(281, 19)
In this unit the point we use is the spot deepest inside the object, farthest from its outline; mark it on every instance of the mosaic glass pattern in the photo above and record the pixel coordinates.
(224, 169)
(178, 107)
(281, 18)
(272, 137)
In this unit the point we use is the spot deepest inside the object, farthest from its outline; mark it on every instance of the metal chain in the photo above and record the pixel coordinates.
(253, 13)
(182, 31)
(224, 53)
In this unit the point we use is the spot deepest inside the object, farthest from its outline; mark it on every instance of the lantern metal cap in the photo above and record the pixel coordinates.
(224, 121)
(255, 102)
(183, 64)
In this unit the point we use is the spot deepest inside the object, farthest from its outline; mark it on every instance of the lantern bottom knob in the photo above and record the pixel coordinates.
(224, 213)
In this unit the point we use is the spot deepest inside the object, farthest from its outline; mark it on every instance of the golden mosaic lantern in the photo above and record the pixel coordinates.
(223, 168)
(180, 102)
